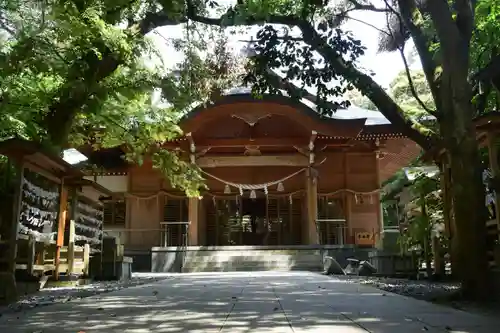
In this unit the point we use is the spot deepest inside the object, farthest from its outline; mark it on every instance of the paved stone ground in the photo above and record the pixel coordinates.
(248, 302)
(51, 296)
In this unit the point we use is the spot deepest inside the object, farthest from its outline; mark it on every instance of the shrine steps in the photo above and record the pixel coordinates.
(240, 258)
(236, 258)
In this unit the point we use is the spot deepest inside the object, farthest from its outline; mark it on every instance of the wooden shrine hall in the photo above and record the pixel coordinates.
(278, 174)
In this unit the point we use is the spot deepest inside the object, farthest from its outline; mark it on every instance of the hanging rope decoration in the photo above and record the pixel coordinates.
(253, 187)
(39, 208)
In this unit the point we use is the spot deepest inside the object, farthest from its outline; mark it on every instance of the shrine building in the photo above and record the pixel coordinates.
(279, 176)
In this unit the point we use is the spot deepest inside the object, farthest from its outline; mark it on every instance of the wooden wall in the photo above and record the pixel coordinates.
(353, 171)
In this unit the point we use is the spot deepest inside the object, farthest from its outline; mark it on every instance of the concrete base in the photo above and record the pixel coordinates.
(141, 259)
(120, 269)
(250, 258)
(392, 264)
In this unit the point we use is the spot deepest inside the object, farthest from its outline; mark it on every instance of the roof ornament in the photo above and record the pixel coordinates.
(250, 118)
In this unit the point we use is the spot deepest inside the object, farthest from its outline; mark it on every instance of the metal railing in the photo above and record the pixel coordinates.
(148, 238)
(331, 231)
(145, 239)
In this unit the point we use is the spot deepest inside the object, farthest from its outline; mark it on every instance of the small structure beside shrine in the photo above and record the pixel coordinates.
(285, 187)
(51, 224)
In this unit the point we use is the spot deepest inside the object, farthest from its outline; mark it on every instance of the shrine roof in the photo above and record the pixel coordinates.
(38, 156)
(281, 116)
(82, 182)
(485, 123)
(352, 112)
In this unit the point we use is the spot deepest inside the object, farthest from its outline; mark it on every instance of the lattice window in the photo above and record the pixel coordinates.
(296, 221)
(211, 222)
(175, 211)
(273, 221)
(115, 213)
(331, 221)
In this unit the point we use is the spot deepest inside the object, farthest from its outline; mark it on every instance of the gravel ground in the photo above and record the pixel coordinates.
(49, 296)
(421, 289)
(444, 293)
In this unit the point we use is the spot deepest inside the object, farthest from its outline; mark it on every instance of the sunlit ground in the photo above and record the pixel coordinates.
(247, 302)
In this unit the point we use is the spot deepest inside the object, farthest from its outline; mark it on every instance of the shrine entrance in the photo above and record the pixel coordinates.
(257, 221)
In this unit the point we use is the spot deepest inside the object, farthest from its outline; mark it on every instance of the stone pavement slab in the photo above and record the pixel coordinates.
(281, 302)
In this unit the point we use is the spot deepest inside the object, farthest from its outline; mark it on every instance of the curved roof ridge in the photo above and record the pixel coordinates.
(246, 97)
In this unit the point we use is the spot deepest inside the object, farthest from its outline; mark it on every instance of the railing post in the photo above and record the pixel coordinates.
(71, 247)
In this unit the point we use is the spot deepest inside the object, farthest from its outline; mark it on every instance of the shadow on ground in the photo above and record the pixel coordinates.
(244, 302)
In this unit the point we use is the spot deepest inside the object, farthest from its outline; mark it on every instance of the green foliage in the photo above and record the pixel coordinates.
(423, 212)
(402, 94)
(356, 98)
(278, 51)
(78, 72)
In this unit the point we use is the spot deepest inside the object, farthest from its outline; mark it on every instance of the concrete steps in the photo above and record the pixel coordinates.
(253, 260)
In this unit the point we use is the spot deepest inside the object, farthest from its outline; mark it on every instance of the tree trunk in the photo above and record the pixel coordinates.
(467, 189)
(427, 252)
(74, 96)
(437, 254)
(468, 194)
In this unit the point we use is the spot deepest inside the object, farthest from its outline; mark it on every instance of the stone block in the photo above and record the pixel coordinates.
(366, 269)
(332, 267)
(352, 266)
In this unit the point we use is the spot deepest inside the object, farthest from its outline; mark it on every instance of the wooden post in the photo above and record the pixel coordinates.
(61, 223)
(9, 282)
(347, 202)
(71, 246)
(495, 171)
(17, 202)
(86, 259)
(380, 223)
(193, 211)
(312, 207)
(31, 254)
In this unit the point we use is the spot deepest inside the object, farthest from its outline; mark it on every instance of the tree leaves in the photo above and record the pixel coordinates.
(89, 58)
(281, 52)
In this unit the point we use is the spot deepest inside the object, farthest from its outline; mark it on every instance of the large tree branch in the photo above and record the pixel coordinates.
(465, 18)
(447, 31)
(359, 6)
(280, 83)
(405, 62)
(5, 26)
(363, 82)
(412, 85)
(73, 97)
(367, 85)
(405, 15)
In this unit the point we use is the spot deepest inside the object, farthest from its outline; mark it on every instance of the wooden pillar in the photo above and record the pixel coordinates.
(380, 222)
(350, 239)
(61, 223)
(31, 254)
(495, 172)
(312, 207)
(193, 211)
(17, 202)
